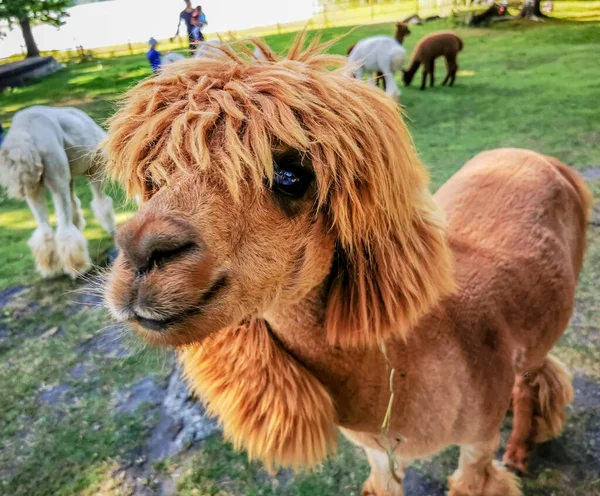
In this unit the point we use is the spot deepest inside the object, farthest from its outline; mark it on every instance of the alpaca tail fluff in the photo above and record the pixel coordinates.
(585, 201)
(554, 393)
(20, 163)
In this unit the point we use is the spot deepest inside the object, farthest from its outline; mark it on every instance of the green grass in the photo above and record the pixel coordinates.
(534, 86)
(520, 84)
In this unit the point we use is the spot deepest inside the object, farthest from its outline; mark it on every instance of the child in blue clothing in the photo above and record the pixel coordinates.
(154, 55)
(198, 21)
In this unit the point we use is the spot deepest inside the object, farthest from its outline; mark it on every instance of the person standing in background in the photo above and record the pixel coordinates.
(198, 21)
(186, 16)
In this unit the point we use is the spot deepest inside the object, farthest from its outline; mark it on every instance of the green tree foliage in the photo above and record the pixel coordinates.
(28, 12)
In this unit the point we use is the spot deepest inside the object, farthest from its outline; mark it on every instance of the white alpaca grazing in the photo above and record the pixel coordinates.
(205, 48)
(379, 54)
(172, 57)
(47, 148)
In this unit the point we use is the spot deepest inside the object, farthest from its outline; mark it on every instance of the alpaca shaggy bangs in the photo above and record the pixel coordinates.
(227, 113)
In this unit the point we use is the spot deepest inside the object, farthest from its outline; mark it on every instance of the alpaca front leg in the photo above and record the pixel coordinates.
(70, 242)
(382, 481)
(42, 242)
(479, 474)
(78, 217)
(102, 206)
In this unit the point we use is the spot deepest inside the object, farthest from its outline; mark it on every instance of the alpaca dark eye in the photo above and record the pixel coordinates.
(291, 177)
(290, 183)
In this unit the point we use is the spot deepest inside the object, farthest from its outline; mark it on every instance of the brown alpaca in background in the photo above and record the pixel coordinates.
(402, 31)
(292, 253)
(435, 45)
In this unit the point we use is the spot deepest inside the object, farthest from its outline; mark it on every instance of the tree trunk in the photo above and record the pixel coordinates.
(531, 9)
(32, 49)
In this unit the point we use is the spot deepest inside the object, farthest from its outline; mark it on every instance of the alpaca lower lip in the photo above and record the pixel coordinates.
(154, 325)
(164, 324)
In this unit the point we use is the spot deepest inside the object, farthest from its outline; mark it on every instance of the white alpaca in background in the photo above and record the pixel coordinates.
(172, 57)
(205, 48)
(47, 148)
(379, 54)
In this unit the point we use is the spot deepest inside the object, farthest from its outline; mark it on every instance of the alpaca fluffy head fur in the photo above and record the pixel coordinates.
(204, 143)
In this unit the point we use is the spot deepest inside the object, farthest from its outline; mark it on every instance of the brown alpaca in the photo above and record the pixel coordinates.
(294, 256)
(435, 45)
(401, 32)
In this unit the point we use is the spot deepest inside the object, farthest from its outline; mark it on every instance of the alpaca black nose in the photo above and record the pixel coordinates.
(155, 243)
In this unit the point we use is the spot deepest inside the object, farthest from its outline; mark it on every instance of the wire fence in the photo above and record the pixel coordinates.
(331, 13)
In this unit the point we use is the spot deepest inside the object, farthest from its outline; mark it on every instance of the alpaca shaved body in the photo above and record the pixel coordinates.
(294, 256)
(46, 148)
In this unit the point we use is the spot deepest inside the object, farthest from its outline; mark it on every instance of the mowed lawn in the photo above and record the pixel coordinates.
(521, 84)
(526, 85)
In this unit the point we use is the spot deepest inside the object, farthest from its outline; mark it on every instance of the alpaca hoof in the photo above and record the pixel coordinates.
(43, 248)
(516, 462)
(372, 489)
(497, 482)
(72, 251)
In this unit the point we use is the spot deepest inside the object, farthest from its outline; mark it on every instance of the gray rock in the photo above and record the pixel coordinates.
(54, 395)
(183, 421)
(142, 392)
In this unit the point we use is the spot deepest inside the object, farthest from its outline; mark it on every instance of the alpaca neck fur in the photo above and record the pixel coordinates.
(267, 402)
(400, 37)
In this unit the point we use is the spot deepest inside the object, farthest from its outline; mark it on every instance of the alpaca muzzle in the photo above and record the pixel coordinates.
(164, 277)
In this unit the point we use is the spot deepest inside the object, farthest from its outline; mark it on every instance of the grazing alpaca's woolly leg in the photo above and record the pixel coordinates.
(359, 74)
(447, 78)
(478, 474)
(42, 241)
(70, 242)
(424, 80)
(539, 401)
(78, 218)
(431, 70)
(102, 206)
(453, 76)
(451, 68)
(391, 87)
(382, 482)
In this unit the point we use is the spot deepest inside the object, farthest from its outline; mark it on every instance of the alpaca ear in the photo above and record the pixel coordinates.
(383, 291)
(392, 263)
